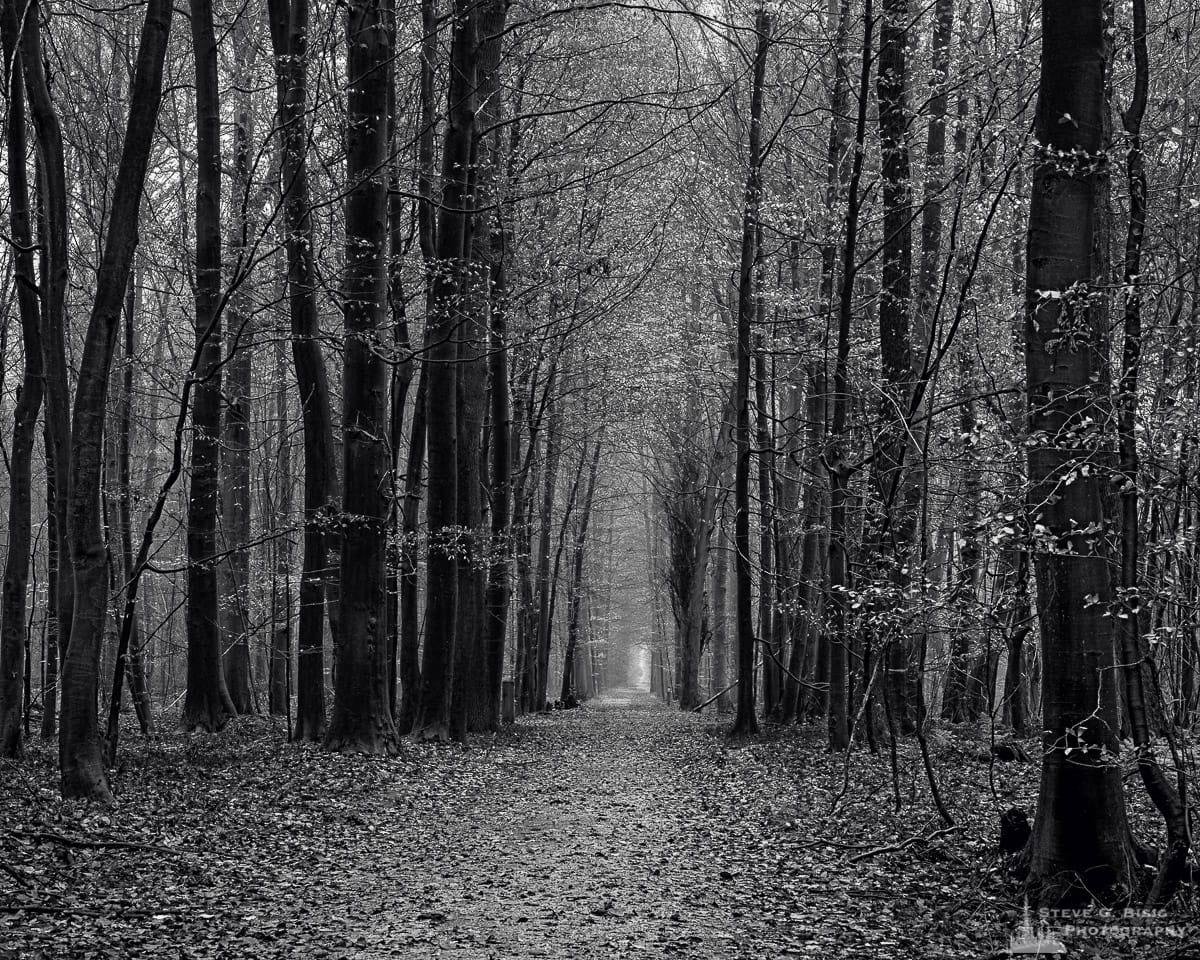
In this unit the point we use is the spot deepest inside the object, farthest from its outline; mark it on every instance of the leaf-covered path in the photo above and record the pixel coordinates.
(622, 829)
(602, 832)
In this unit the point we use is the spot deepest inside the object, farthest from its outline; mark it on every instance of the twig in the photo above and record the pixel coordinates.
(892, 848)
(39, 837)
(714, 697)
(15, 874)
(82, 911)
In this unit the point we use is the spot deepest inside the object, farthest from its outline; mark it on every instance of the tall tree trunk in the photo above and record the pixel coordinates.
(207, 705)
(128, 655)
(899, 487)
(234, 568)
(409, 666)
(79, 744)
(13, 628)
(289, 37)
(361, 720)
(839, 640)
(502, 451)
(720, 622)
(813, 551)
(1080, 847)
(442, 334)
(745, 721)
(409, 640)
(481, 686)
(279, 524)
(569, 692)
(53, 200)
(536, 699)
(771, 674)
(1138, 669)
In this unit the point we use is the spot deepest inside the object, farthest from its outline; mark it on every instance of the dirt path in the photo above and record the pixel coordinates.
(621, 829)
(597, 833)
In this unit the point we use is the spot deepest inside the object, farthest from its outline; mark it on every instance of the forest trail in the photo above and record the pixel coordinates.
(622, 829)
(600, 832)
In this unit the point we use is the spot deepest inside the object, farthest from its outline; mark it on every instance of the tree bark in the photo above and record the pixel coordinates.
(745, 721)
(289, 21)
(207, 705)
(13, 628)
(1080, 847)
(899, 487)
(79, 744)
(442, 333)
(838, 639)
(1138, 669)
(569, 691)
(279, 664)
(361, 720)
(57, 426)
(234, 568)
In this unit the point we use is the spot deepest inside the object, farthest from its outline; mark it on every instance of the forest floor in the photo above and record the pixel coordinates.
(621, 829)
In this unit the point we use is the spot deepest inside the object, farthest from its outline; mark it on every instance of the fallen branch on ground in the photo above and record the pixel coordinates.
(46, 837)
(894, 847)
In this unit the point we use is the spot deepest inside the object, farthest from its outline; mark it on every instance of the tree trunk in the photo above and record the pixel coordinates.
(838, 639)
(207, 705)
(409, 640)
(813, 550)
(771, 674)
(745, 721)
(502, 452)
(720, 623)
(79, 744)
(1080, 847)
(279, 523)
(234, 568)
(569, 692)
(57, 426)
(1138, 669)
(361, 720)
(442, 334)
(289, 38)
(128, 655)
(13, 628)
(899, 486)
(536, 697)
(481, 687)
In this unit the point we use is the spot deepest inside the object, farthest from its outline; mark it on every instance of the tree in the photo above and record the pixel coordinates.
(29, 402)
(207, 705)
(53, 228)
(898, 485)
(1080, 847)
(79, 744)
(836, 464)
(443, 328)
(745, 721)
(362, 719)
(289, 38)
(234, 568)
(569, 692)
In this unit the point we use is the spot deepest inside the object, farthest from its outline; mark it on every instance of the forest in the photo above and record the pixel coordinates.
(506, 478)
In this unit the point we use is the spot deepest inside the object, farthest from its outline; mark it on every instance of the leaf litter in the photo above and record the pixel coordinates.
(620, 829)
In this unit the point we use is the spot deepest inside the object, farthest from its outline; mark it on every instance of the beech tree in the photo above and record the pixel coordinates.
(29, 402)
(289, 22)
(83, 772)
(361, 718)
(1081, 847)
(208, 705)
